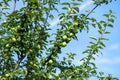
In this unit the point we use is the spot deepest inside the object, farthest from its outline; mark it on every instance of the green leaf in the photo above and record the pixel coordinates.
(66, 3)
(101, 43)
(111, 20)
(100, 31)
(92, 37)
(106, 15)
(110, 25)
(104, 39)
(107, 32)
(110, 11)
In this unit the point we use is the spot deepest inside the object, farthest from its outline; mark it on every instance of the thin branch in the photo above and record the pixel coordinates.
(14, 5)
(18, 62)
(91, 11)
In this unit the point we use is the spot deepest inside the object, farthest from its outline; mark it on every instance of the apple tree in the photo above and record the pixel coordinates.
(29, 50)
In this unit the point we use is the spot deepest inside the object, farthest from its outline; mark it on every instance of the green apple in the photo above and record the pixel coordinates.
(14, 39)
(7, 75)
(7, 45)
(75, 71)
(88, 68)
(13, 29)
(63, 44)
(31, 62)
(70, 34)
(68, 39)
(4, 21)
(75, 23)
(39, 28)
(9, 27)
(75, 30)
(50, 61)
(59, 78)
(30, 50)
(38, 46)
(19, 27)
(34, 65)
(64, 37)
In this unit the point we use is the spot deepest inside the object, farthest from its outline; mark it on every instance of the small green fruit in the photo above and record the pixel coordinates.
(63, 44)
(14, 39)
(50, 61)
(76, 24)
(75, 30)
(31, 63)
(34, 65)
(64, 37)
(31, 50)
(38, 46)
(70, 34)
(4, 21)
(19, 27)
(39, 28)
(7, 75)
(13, 29)
(7, 45)
(68, 39)
(75, 71)
(59, 78)
(88, 68)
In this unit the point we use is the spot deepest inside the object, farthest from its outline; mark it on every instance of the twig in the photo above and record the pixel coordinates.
(92, 10)
(14, 5)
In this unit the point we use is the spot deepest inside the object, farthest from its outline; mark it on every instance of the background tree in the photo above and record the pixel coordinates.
(29, 51)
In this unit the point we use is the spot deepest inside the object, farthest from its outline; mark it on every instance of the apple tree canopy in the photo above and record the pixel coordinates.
(29, 49)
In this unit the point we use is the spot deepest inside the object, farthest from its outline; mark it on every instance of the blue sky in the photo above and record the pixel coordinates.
(110, 61)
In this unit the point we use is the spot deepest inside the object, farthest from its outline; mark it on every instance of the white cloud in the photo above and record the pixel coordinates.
(110, 61)
(114, 47)
(85, 5)
(81, 7)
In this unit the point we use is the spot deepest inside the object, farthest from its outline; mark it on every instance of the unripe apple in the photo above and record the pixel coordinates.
(34, 65)
(9, 27)
(68, 39)
(38, 46)
(30, 50)
(4, 21)
(39, 28)
(70, 34)
(75, 23)
(63, 44)
(13, 29)
(14, 39)
(7, 75)
(64, 37)
(7, 45)
(75, 30)
(31, 62)
(19, 27)
(50, 61)
(59, 78)
(75, 71)
(88, 68)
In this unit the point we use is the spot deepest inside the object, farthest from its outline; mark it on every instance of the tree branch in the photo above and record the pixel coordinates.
(14, 5)
(92, 10)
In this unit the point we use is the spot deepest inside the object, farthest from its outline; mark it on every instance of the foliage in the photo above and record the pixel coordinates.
(28, 51)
